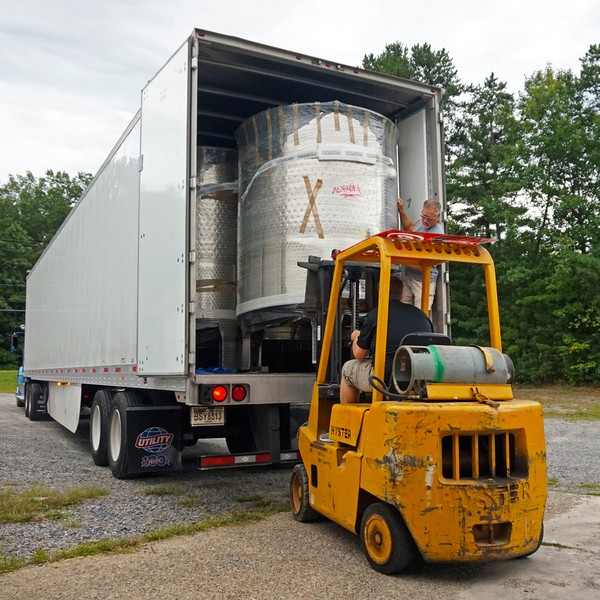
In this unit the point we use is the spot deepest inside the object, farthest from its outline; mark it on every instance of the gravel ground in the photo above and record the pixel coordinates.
(47, 454)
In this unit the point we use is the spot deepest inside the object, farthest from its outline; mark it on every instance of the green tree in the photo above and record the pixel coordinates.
(561, 174)
(483, 180)
(31, 211)
(434, 67)
(420, 63)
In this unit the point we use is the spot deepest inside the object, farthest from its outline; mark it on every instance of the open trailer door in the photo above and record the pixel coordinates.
(163, 226)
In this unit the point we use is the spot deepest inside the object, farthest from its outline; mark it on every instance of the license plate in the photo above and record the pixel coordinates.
(211, 415)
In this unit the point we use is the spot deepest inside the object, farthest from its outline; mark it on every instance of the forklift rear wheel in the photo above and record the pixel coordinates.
(385, 539)
(301, 509)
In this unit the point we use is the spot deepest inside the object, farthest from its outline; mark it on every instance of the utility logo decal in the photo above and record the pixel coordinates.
(154, 440)
(155, 461)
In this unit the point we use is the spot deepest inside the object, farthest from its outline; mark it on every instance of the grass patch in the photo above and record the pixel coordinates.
(554, 545)
(236, 519)
(256, 500)
(163, 490)
(8, 381)
(564, 402)
(591, 487)
(187, 500)
(40, 503)
(11, 563)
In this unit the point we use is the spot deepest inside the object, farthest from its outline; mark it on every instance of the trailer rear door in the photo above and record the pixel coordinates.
(163, 260)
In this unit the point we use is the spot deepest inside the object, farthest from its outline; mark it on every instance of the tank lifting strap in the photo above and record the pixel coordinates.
(489, 361)
(483, 399)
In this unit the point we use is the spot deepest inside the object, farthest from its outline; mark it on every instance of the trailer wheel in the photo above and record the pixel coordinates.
(385, 539)
(37, 408)
(99, 424)
(117, 433)
(27, 399)
(240, 439)
(299, 495)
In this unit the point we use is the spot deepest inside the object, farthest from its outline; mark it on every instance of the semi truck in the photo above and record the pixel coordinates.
(180, 300)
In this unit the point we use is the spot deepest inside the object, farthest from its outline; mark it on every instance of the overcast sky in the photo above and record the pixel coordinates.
(72, 71)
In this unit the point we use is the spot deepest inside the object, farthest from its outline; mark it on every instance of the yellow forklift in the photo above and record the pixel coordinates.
(440, 462)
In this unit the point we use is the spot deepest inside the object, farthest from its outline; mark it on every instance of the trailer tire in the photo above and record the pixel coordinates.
(241, 439)
(302, 511)
(36, 410)
(117, 433)
(27, 399)
(99, 425)
(385, 539)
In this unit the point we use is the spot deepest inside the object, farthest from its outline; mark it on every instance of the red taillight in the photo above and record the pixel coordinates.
(239, 393)
(219, 393)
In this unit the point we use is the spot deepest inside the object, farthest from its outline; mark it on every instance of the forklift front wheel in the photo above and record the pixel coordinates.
(301, 509)
(385, 539)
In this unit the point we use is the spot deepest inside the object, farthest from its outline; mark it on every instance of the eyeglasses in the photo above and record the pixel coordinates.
(426, 218)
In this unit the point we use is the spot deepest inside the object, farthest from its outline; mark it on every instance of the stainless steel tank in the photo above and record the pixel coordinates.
(313, 177)
(216, 250)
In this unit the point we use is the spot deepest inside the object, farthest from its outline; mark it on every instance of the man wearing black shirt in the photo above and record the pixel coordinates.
(402, 319)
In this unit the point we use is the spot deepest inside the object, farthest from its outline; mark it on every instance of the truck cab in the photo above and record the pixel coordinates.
(441, 462)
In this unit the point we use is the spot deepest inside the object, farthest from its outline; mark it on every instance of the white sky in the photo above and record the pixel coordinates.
(71, 71)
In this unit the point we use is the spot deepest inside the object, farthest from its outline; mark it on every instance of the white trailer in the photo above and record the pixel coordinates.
(154, 307)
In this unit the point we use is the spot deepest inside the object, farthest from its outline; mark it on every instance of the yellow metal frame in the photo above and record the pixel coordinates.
(404, 248)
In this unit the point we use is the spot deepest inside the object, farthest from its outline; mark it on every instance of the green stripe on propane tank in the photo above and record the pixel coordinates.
(439, 365)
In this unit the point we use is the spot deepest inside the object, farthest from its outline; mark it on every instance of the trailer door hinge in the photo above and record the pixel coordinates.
(192, 183)
(192, 308)
(141, 163)
(192, 257)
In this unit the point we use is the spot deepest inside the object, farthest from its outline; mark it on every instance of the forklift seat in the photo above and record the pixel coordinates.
(425, 338)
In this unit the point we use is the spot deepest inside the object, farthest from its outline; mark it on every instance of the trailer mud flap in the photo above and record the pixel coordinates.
(154, 438)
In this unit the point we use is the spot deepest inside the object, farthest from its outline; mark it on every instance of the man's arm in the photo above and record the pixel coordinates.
(406, 223)
(358, 352)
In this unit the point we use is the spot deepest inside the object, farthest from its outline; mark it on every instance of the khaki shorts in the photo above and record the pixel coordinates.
(412, 290)
(356, 374)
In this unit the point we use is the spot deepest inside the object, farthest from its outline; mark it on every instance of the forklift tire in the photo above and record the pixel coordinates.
(99, 424)
(385, 539)
(301, 509)
(118, 443)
